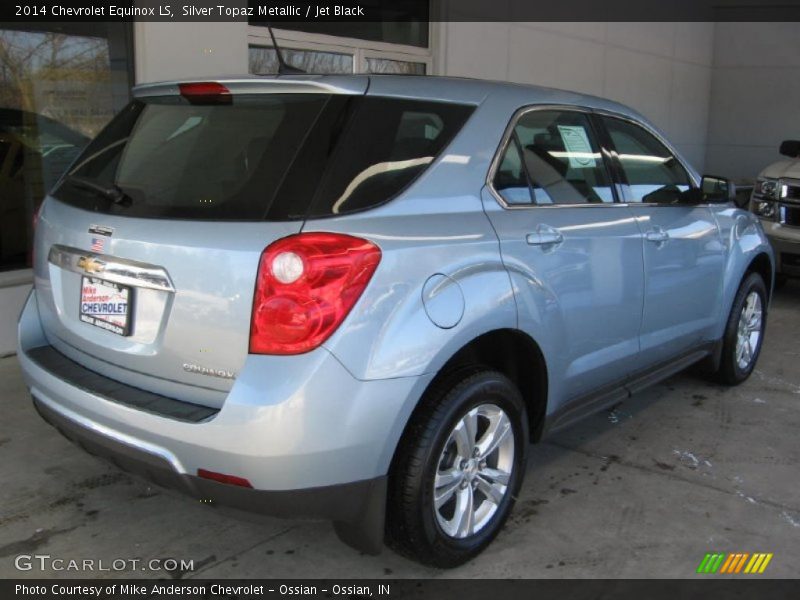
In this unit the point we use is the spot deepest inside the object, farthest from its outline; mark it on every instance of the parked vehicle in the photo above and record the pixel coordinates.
(361, 298)
(776, 201)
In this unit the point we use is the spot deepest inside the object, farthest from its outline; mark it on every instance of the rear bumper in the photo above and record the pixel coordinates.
(310, 438)
(356, 508)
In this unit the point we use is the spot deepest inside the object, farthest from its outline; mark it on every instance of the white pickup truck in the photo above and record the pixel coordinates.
(776, 200)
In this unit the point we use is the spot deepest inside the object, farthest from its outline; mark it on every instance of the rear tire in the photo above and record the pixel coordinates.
(744, 332)
(457, 469)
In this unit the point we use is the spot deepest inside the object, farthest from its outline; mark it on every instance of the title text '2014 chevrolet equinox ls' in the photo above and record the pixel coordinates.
(360, 298)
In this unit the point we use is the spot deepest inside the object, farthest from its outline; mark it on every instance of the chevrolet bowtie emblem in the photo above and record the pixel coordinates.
(91, 265)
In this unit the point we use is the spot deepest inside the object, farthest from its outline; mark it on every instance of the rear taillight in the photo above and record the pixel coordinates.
(306, 285)
(206, 92)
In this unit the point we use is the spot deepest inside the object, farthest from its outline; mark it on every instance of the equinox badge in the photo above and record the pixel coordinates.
(223, 373)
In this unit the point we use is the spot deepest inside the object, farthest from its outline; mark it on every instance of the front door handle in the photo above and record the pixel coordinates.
(657, 236)
(545, 236)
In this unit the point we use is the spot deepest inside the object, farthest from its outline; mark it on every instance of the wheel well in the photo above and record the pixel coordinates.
(518, 357)
(762, 265)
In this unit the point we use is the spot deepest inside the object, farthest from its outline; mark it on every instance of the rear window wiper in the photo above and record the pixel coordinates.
(110, 191)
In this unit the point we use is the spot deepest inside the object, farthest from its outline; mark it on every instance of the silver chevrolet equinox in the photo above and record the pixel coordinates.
(362, 297)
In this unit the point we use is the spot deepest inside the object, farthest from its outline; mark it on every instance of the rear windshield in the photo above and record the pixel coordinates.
(259, 156)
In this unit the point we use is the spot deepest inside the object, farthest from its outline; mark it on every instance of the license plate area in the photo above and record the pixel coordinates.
(106, 305)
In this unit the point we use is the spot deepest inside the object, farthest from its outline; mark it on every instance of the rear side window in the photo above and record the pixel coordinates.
(259, 156)
(387, 144)
(553, 158)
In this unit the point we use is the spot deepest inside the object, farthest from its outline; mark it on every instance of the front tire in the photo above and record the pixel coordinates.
(744, 332)
(458, 469)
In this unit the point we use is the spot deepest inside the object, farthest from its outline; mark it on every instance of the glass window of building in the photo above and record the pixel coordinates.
(59, 85)
(264, 60)
(388, 66)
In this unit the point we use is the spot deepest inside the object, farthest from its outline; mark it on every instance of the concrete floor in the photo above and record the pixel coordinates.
(643, 491)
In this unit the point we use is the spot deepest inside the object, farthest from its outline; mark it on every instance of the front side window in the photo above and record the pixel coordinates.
(553, 158)
(653, 173)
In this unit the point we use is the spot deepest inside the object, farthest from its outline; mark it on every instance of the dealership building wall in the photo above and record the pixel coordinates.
(755, 95)
(724, 93)
(661, 69)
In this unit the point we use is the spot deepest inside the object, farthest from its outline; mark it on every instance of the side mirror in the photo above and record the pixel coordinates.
(717, 189)
(790, 148)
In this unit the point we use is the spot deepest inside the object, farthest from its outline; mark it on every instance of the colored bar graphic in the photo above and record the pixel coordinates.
(717, 563)
(765, 563)
(734, 563)
(704, 563)
(740, 564)
(730, 564)
(755, 562)
(727, 564)
(711, 565)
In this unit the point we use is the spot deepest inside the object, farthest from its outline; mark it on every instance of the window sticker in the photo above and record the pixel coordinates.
(579, 150)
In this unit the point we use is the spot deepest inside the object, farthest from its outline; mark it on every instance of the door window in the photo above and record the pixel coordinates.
(553, 158)
(510, 181)
(653, 173)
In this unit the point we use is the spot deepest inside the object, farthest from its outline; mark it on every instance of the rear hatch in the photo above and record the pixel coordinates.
(148, 249)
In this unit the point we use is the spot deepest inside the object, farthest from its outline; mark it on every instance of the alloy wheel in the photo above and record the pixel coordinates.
(474, 471)
(749, 330)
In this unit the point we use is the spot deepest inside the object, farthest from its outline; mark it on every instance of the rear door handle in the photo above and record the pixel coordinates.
(545, 236)
(657, 236)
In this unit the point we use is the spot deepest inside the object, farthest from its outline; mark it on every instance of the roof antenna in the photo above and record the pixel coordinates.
(283, 67)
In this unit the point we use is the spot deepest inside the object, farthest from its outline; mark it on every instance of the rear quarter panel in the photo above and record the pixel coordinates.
(389, 332)
(435, 226)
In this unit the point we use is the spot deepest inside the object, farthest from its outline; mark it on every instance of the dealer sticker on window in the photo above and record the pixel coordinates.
(106, 305)
(579, 149)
